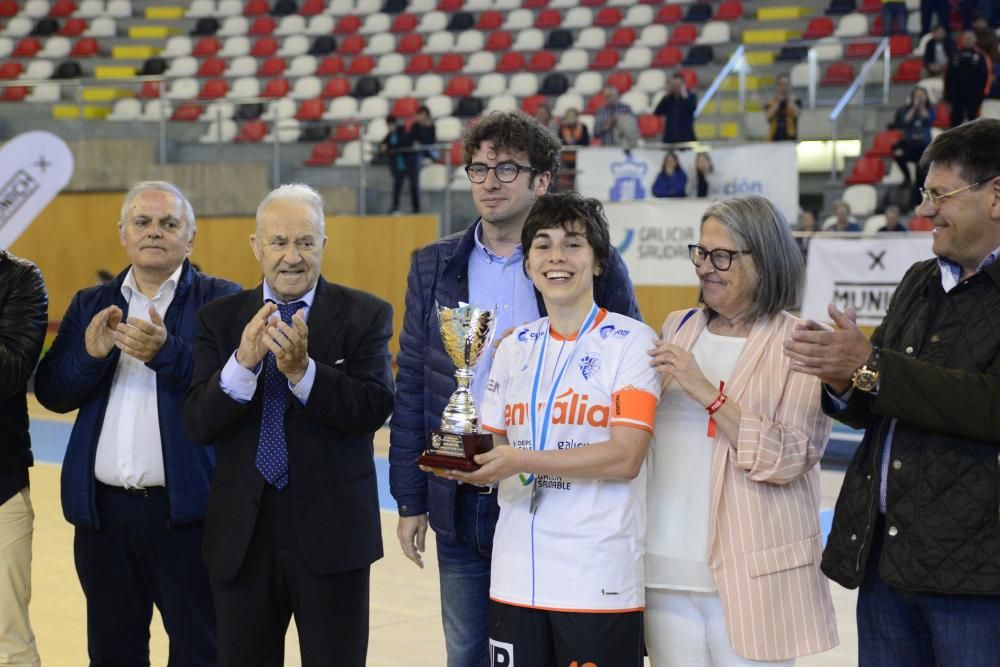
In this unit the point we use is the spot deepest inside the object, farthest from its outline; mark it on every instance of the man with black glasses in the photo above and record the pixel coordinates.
(916, 523)
(511, 160)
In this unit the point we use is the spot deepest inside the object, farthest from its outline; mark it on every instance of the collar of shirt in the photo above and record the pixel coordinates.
(307, 298)
(129, 285)
(951, 273)
(489, 255)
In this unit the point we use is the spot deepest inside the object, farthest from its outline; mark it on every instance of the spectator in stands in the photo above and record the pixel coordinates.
(914, 119)
(423, 132)
(543, 114)
(966, 80)
(915, 526)
(613, 121)
(510, 160)
(671, 181)
(934, 8)
(782, 111)
(23, 320)
(893, 17)
(843, 220)
(677, 108)
(402, 160)
(572, 132)
(733, 493)
(807, 225)
(938, 51)
(133, 484)
(703, 168)
(893, 221)
(986, 38)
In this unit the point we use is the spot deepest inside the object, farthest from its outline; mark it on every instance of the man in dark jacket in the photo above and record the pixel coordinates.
(677, 108)
(967, 80)
(133, 485)
(23, 318)
(916, 523)
(511, 160)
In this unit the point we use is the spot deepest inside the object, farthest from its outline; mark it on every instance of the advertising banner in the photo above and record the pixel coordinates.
(34, 168)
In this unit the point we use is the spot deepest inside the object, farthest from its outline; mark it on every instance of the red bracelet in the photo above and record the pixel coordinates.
(717, 404)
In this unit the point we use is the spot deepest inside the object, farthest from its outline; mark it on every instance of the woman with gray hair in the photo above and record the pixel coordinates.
(733, 539)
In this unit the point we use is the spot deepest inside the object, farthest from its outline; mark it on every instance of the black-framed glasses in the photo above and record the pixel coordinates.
(506, 172)
(721, 258)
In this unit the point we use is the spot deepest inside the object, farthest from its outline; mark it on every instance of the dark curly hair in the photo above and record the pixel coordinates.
(566, 209)
(514, 131)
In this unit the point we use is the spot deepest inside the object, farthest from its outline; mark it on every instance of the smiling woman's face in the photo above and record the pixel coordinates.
(729, 293)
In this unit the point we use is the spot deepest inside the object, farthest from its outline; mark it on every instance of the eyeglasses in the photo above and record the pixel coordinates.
(506, 172)
(721, 258)
(928, 197)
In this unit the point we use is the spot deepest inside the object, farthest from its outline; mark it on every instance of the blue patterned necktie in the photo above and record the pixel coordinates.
(272, 452)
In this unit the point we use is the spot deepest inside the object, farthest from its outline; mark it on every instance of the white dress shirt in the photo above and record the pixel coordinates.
(129, 450)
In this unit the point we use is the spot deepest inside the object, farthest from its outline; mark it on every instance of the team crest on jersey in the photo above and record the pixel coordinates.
(524, 335)
(589, 365)
(610, 330)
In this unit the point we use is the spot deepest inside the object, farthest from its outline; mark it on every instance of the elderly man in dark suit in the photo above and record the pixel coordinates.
(291, 380)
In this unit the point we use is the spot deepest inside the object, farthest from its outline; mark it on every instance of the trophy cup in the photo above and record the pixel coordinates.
(467, 332)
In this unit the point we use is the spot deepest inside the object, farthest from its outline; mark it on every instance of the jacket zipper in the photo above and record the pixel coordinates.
(871, 496)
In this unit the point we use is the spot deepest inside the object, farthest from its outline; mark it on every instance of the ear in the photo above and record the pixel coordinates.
(190, 243)
(542, 182)
(994, 186)
(254, 246)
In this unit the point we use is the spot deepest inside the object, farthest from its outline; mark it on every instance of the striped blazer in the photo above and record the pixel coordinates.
(765, 491)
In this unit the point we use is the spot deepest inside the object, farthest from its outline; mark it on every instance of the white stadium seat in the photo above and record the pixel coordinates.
(233, 25)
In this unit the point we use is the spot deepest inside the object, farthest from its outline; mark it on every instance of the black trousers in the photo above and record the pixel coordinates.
(273, 584)
(411, 173)
(965, 108)
(135, 560)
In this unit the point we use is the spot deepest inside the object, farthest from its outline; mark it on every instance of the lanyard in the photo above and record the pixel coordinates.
(538, 440)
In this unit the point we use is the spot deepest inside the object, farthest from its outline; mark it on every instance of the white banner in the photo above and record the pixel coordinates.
(608, 174)
(34, 168)
(653, 237)
(862, 273)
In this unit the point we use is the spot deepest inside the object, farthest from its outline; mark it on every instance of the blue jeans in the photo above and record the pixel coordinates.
(894, 18)
(464, 567)
(900, 629)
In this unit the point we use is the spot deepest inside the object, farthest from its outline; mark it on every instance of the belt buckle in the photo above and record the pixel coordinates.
(486, 490)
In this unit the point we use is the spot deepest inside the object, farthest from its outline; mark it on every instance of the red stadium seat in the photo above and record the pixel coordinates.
(608, 17)
(211, 67)
(541, 61)
(276, 88)
(535, 4)
(347, 132)
(908, 71)
(605, 59)
(312, 7)
(8, 8)
(352, 44)
(860, 49)
(668, 14)
(420, 64)
(206, 46)
(592, 3)
(187, 112)
(622, 38)
(457, 153)
(668, 56)
(548, 18)
(450, 62)
(85, 47)
(511, 62)
(405, 107)
(73, 27)
(942, 116)
(870, 7)
(882, 145)
(310, 110)
(213, 89)
(251, 132)
(323, 154)
(919, 224)
(498, 41)
(900, 45)
(361, 65)
(256, 8)
(838, 74)
(460, 86)
(412, 43)
(875, 27)
(531, 103)
(336, 87)
(449, 5)
(347, 25)
(11, 70)
(14, 93)
(729, 10)
(818, 27)
(150, 90)
(329, 65)
(620, 80)
(866, 170)
(271, 67)
(27, 47)
(690, 77)
(594, 103)
(264, 47)
(62, 9)
(404, 23)
(489, 20)
(650, 126)
(683, 35)
(262, 25)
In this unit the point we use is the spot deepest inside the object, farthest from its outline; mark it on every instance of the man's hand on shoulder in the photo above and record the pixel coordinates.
(99, 338)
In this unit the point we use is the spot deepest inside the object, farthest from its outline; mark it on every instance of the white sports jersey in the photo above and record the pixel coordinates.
(582, 549)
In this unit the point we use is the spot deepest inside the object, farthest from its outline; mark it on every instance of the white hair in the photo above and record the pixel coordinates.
(298, 192)
(159, 186)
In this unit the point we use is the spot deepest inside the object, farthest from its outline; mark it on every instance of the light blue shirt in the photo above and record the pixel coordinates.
(498, 283)
(240, 383)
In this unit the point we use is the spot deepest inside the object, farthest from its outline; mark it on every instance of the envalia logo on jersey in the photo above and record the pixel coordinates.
(570, 407)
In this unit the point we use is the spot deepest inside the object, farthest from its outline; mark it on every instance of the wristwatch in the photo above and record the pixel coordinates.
(866, 377)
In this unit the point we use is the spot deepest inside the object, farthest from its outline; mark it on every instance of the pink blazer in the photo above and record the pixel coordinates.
(765, 492)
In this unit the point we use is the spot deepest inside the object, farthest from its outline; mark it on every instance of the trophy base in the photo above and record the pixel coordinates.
(454, 451)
